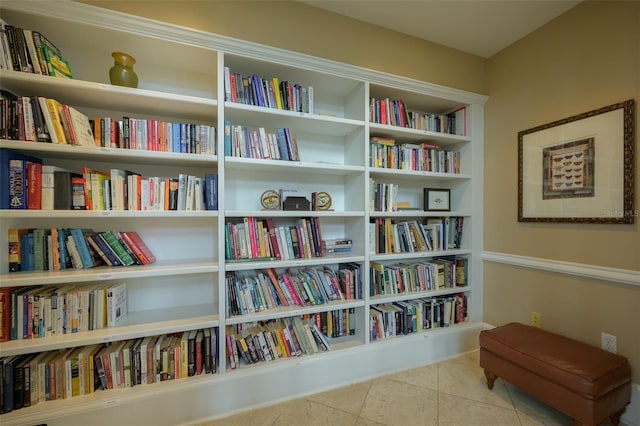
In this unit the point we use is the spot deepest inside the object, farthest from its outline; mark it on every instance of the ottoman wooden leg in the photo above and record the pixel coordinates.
(615, 419)
(490, 378)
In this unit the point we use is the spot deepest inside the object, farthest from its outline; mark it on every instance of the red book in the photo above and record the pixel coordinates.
(274, 240)
(34, 186)
(137, 245)
(274, 279)
(5, 313)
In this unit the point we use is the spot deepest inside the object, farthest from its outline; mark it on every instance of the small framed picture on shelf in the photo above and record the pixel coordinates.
(437, 200)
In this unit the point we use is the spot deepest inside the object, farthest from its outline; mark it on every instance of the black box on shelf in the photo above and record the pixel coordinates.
(296, 204)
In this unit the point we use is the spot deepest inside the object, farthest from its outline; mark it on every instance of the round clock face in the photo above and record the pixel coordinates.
(270, 199)
(323, 201)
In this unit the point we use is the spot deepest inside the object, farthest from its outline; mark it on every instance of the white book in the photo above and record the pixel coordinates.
(47, 119)
(116, 303)
(81, 128)
(27, 114)
(190, 198)
(31, 48)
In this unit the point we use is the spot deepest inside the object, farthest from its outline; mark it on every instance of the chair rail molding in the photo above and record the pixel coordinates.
(622, 276)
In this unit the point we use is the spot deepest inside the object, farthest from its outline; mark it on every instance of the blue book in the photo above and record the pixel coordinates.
(26, 252)
(13, 178)
(106, 248)
(184, 134)
(282, 144)
(211, 191)
(63, 254)
(175, 137)
(83, 247)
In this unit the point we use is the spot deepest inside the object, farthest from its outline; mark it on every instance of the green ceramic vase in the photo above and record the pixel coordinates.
(121, 73)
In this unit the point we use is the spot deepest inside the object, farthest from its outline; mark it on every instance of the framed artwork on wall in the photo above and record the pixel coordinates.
(579, 169)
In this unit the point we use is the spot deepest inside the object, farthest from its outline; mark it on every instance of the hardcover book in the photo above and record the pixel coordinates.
(13, 178)
(116, 303)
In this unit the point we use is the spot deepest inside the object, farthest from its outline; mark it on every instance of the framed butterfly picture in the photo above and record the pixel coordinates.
(579, 169)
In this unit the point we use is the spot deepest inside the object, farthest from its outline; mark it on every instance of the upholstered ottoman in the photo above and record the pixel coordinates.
(582, 381)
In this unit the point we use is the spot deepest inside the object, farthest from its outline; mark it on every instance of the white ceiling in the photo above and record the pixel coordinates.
(479, 27)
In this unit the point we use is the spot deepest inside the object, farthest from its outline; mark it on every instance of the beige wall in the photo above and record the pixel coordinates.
(301, 28)
(587, 58)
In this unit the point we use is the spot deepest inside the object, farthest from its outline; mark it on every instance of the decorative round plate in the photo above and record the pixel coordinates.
(323, 201)
(270, 200)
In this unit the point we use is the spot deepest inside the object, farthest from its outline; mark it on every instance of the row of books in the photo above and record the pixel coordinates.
(387, 153)
(270, 93)
(38, 312)
(31, 379)
(55, 249)
(27, 183)
(388, 236)
(259, 239)
(262, 342)
(251, 293)
(121, 189)
(41, 119)
(412, 316)
(30, 51)
(383, 196)
(394, 112)
(246, 142)
(435, 274)
(154, 135)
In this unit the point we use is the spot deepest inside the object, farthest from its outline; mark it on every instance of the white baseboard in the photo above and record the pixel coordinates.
(631, 416)
(191, 401)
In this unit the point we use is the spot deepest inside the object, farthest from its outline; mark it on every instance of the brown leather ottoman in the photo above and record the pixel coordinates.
(586, 383)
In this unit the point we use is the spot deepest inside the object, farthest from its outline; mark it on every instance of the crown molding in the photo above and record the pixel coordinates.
(105, 18)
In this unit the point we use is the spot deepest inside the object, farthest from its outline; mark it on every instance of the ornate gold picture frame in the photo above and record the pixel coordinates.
(579, 169)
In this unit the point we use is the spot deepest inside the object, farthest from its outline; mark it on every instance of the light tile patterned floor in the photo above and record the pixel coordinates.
(450, 393)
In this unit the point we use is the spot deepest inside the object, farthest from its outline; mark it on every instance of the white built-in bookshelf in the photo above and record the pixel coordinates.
(182, 78)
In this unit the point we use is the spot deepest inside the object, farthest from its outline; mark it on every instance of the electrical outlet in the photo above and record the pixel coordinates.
(536, 319)
(608, 342)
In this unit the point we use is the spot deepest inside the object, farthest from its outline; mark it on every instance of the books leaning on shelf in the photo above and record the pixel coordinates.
(28, 184)
(37, 312)
(252, 343)
(55, 249)
(30, 51)
(387, 153)
(270, 93)
(253, 239)
(388, 236)
(84, 370)
(413, 316)
(41, 119)
(246, 142)
(154, 135)
(411, 277)
(394, 112)
(249, 293)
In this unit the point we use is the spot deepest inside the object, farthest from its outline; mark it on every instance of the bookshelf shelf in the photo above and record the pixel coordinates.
(126, 156)
(297, 263)
(186, 290)
(290, 311)
(109, 97)
(135, 325)
(279, 166)
(158, 269)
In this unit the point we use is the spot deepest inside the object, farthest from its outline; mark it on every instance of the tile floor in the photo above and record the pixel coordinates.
(449, 393)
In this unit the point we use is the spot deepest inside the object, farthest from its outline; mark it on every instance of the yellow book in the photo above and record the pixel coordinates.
(276, 92)
(184, 354)
(53, 107)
